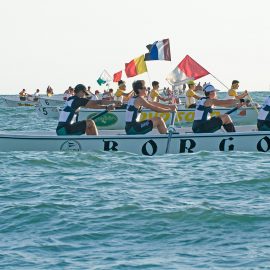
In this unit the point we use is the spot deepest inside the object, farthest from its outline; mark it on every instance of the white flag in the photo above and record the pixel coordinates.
(104, 77)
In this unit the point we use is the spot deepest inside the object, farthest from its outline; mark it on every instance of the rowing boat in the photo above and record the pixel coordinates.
(14, 101)
(116, 119)
(149, 144)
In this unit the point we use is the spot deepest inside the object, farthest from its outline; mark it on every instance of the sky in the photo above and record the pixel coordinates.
(64, 42)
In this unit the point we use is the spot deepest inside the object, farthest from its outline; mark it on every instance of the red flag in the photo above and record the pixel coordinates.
(192, 69)
(117, 76)
(188, 69)
(130, 69)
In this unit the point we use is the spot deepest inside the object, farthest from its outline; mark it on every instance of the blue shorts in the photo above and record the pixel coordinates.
(211, 125)
(139, 127)
(263, 125)
(77, 128)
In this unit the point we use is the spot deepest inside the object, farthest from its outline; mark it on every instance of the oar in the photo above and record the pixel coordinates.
(171, 130)
(250, 98)
(98, 115)
(252, 103)
(236, 108)
(232, 110)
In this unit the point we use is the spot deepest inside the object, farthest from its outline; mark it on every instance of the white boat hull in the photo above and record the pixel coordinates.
(55, 101)
(116, 119)
(14, 101)
(48, 111)
(152, 144)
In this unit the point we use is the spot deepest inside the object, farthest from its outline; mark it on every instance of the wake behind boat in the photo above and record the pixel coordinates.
(150, 144)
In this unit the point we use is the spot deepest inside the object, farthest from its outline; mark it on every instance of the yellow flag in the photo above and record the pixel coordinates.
(140, 64)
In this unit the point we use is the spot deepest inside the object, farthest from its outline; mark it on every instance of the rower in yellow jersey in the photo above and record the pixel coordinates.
(191, 96)
(232, 93)
(120, 94)
(154, 93)
(49, 91)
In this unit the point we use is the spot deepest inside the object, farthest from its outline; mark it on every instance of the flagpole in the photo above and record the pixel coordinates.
(101, 73)
(149, 78)
(108, 86)
(219, 81)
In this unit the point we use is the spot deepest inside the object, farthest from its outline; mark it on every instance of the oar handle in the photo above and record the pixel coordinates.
(236, 108)
(252, 102)
(171, 130)
(173, 118)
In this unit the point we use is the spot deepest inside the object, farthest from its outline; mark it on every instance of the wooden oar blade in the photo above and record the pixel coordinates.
(243, 112)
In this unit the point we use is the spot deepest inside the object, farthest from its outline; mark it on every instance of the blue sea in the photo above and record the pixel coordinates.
(62, 210)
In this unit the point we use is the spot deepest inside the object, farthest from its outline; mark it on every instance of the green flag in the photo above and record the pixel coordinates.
(104, 77)
(100, 81)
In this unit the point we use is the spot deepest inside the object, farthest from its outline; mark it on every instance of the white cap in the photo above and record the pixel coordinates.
(209, 88)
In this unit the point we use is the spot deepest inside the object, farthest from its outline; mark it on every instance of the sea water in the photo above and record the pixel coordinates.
(62, 210)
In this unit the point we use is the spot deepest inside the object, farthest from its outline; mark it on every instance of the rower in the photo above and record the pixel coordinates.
(134, 107)
(263, 122)
(154, 93)
(36, 95)
(108, 95)
(23, 95)
(68, 120)
(95, 96)
(232, 93)
(191, 96)
(69, 92)
(203, 122)
(49, 91)
(120, 94)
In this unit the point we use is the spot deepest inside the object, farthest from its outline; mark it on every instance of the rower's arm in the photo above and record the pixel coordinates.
(197, 97)
(102, 104)
(128, 94)
(242, 95)
(163, 98)
(95, 104)
(150, 105)
(191, 93)
(222, 103)
(108, 102)
(158, 104)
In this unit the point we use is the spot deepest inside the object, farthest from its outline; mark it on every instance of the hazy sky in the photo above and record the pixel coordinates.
(64, 42)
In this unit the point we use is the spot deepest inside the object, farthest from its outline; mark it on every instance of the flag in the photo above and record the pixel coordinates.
(188, 69)
(104, 77)
(117, 76)
(135, 67)
(159, 50)
(100, 81)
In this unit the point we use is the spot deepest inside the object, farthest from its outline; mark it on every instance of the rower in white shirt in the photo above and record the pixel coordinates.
(95, 96)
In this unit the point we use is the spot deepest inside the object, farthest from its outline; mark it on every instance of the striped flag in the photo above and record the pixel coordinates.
(159, 50)
(135, 67)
